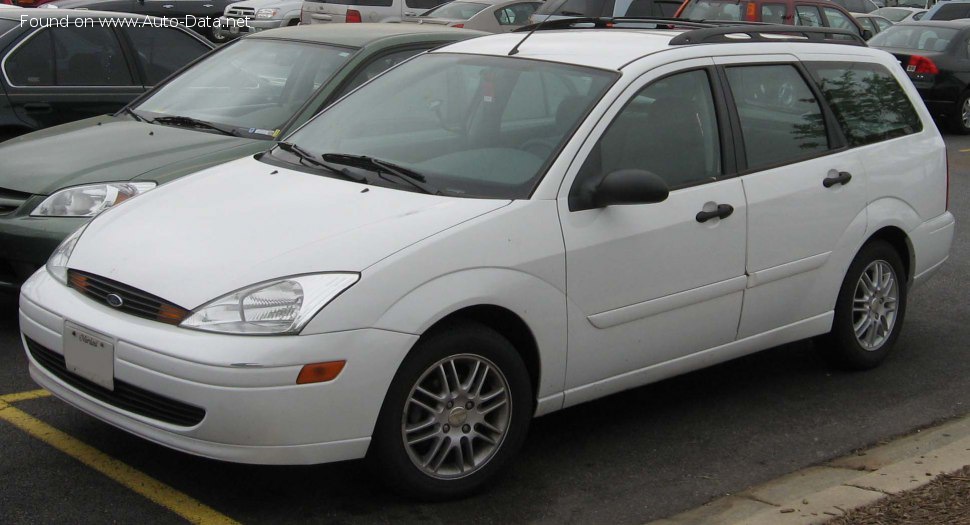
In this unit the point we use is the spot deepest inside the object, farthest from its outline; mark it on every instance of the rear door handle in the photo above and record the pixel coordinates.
(722, 211)
(37, 107)
(842, 178)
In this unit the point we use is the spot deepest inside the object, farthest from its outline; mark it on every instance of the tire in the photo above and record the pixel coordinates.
(957, 122)
(842, 346)
(455, 417)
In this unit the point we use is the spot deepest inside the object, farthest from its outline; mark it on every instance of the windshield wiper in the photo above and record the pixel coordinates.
(307, 158)
(378, 166)
(189, 122)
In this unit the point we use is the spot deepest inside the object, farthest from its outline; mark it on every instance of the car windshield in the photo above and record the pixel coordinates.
(713, 10)
(469, 125)
(920, 38)
(456, 10)
(254, 85)
(896, 15)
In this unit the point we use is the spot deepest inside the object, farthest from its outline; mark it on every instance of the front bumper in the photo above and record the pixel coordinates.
(28, 242)
(254, 411)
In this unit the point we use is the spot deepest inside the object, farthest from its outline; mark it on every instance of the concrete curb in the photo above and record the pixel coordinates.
(820, 493)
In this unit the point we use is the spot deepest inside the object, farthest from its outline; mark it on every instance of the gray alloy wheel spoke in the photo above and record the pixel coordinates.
(465, 426)
(874, 305)
(966, 113)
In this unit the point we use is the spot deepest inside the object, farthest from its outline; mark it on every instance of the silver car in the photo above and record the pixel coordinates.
(251, 16)
(357, 11)
(493, 16)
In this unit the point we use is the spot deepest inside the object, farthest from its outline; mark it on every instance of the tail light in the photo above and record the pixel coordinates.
(353, 16)
(751, 13)
(457, 25)
(921, 65)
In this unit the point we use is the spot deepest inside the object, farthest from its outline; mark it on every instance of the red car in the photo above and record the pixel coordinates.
(813, 13)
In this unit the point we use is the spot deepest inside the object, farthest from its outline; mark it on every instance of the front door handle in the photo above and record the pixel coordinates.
(842, 178)
(722, 211)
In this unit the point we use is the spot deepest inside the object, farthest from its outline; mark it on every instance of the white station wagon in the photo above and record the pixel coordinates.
(497, 230)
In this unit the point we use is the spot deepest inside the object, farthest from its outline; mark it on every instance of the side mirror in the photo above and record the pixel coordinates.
(628, 186)
(866, 34)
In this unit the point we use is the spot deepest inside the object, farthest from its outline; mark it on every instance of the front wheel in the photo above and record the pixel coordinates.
(456, 412)
(870, 309)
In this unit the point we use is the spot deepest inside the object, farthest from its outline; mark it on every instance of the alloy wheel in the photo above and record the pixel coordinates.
(875, 305)
(456, 416)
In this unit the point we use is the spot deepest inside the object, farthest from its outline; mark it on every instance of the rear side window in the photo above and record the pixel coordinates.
(838, 19)
(89, 56)
(163, 51)
(32, 64)
(714, 10)
(781, 121)
(807, 15)
(773, 13)
(868, 102)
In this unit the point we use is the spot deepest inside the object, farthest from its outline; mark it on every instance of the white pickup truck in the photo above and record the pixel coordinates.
(257, 15)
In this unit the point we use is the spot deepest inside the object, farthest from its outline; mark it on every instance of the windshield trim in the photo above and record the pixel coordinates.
(543, 171)
(133, 105)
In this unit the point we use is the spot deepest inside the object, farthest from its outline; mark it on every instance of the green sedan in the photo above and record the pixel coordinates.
(232, 103)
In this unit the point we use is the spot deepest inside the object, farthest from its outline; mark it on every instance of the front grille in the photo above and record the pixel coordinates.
(125, 396)
(133, 300)
(241, 12)
(11, 200)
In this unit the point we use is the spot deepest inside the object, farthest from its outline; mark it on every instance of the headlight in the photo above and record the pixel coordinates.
(57, 263)
(266, 13)
(282, 306)
(89, 200)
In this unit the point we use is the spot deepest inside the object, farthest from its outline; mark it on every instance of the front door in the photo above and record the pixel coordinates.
(651, 283)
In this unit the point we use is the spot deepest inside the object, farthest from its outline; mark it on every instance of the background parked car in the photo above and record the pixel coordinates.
(934, 55)
(57, 75)
(949, 10)
(493, 16)
(553, 10)
(900, 14)
(233, 103)
(200, 15)
(253, 16)
(811, 13)
(357, 11)
(874, 23)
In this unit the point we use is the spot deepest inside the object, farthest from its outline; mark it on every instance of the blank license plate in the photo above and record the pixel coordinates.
(90, 355)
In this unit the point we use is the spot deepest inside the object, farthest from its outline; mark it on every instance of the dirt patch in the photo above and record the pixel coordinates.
(945, 500)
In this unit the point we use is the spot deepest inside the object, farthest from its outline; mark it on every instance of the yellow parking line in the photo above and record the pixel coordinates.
(24, 396)
(156, 491)
(965, 150)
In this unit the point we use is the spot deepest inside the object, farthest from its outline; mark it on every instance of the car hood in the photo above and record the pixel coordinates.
(245, 222)
(100, 149)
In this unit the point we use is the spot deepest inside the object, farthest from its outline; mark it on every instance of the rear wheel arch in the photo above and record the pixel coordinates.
(901, 242)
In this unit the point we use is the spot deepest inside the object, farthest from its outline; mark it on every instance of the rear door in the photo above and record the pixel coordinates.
(60, 75)
(806, 192)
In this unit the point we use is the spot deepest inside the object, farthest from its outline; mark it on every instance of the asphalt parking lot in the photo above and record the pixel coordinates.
(626, 459)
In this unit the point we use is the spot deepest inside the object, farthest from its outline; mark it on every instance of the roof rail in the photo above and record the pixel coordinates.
(631, 22)
(768, 33)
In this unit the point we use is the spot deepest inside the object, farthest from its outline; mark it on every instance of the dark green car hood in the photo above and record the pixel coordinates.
(107, 148)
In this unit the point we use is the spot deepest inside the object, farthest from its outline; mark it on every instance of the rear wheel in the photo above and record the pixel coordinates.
(870, 309)
(959, 121)
(455, 414)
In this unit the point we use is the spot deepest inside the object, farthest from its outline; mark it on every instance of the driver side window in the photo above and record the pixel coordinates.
(669, 128)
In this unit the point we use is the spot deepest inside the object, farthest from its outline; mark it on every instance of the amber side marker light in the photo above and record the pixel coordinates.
(320, 372)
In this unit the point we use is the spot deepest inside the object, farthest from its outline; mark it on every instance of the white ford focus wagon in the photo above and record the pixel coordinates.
(497, 230)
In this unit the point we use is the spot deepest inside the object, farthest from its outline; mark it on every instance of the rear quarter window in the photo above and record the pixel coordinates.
(868, 102)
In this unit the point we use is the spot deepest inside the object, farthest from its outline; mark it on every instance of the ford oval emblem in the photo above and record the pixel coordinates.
(115, 300)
